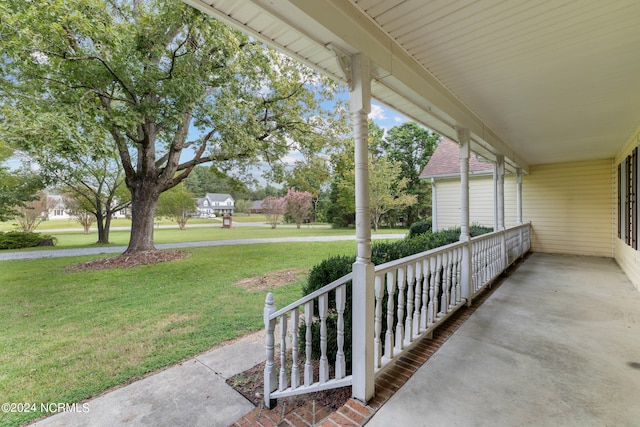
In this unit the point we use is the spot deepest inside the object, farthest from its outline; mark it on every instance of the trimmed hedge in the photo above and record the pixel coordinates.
(420, 227)
(338, 266)
(18, 240)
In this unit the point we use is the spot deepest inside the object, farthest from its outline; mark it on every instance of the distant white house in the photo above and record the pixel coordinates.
(215, 203)
(56, 208)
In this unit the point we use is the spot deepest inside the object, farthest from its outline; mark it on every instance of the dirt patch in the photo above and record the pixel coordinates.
(129, 260)
(250, 384)
(272, 280)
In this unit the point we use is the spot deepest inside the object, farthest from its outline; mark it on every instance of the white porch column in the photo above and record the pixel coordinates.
(465, 152)
(434, 205)
(518, 196)
(500, 198)
(363, 270)
(495, 196)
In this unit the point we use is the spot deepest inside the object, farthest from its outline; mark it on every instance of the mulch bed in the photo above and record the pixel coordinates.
(250, 384)
(127, 260)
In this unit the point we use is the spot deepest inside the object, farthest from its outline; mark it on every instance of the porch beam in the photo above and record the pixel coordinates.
(363, 387)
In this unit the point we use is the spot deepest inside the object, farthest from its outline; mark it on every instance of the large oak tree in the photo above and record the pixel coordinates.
(172, 87)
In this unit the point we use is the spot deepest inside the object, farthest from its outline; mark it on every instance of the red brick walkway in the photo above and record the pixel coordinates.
(354, 413)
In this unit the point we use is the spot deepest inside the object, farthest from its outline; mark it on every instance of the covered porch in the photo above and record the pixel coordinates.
(554, 342)
(547, 92)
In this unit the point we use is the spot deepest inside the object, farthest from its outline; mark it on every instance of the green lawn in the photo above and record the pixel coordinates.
(65, 224)
(73, 239)
(67, 336)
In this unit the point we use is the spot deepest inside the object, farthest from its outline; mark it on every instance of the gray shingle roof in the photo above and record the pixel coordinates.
(445, 161)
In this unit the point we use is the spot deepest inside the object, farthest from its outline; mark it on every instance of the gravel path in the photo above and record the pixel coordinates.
(59, 253)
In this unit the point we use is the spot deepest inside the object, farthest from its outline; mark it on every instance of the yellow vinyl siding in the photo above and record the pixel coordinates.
(480, 201)
(627, 258)
(629, 261)
(571, 208)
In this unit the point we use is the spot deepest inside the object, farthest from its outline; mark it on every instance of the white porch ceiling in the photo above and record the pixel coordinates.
(538, 81)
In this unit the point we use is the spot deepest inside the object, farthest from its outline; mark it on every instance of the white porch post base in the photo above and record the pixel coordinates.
(363, 387)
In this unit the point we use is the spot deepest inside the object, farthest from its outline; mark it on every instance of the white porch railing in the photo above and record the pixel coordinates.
(413, 296)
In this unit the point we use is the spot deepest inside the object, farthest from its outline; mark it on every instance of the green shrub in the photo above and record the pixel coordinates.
(320, 275)
(420, 227)
(18, 240)
(338, 266)
(477, 230)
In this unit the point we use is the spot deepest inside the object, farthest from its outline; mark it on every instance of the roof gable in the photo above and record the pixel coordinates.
(445, 161)
(218, 197)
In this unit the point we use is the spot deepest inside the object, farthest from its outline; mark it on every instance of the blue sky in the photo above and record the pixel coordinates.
(385, 117)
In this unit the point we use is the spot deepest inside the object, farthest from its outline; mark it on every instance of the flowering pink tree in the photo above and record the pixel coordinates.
(298, 205)
(273, 207)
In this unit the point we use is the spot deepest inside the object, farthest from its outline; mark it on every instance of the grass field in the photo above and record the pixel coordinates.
(196, 231)
(67, 336)
(70, 335)
(65, 224)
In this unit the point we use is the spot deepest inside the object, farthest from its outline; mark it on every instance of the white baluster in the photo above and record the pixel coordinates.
(424, 313)
(389, 340)
(399, 344)
(408, 323)
(444, 299)
(439, 279)
(308, 368)
(477, 255)
(377, 341)
(295, 369)
(417, 309)
(341, 298)
(323, 307)
(480, 256)
(270, 377)
(433, 290)
(474, 268)
(283, 352)
(458, 266)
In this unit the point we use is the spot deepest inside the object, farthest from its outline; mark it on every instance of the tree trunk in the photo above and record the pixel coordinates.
(100, 227)
(107, 227)
(144, 200)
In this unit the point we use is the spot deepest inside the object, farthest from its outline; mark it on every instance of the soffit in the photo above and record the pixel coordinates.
(537, 81)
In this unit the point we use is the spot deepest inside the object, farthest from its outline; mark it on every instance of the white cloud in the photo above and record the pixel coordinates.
(377, 113)
(399, 119)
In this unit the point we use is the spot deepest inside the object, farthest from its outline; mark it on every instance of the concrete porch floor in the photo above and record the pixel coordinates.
(557, 344)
